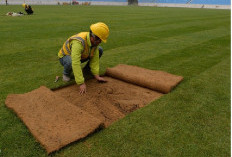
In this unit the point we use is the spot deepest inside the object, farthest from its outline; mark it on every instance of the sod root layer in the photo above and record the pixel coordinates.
(59, 117)
(109, 101)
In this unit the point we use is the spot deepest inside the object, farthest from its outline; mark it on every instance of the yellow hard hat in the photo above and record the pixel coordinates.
(101, 30)
(24, 5)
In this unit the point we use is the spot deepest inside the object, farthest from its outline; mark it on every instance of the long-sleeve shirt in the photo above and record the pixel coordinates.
(76, 50)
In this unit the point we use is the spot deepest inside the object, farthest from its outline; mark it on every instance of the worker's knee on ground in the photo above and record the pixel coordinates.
(100, 51)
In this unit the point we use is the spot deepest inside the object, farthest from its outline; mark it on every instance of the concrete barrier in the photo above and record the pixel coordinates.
(53, 2)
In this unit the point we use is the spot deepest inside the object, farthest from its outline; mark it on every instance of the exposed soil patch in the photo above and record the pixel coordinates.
(109, 101)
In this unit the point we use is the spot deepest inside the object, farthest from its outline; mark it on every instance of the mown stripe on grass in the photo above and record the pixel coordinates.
(42, 51)
(152, 49)
(192, 60)
(148, 33)
(170, 22)
(129, 37)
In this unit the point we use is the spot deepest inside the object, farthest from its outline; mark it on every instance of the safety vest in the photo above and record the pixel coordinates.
(82, 37)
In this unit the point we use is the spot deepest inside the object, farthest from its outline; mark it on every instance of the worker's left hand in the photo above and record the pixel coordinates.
(101, 79)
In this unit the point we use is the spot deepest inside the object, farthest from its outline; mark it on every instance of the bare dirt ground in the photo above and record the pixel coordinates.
(109, 101)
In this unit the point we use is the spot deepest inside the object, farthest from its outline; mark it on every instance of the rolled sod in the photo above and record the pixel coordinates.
(153, 79)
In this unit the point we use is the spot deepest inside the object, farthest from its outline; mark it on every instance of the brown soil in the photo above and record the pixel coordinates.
(57, 118)
(109, 101)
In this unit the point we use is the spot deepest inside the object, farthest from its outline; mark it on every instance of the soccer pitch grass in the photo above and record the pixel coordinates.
(193, 120)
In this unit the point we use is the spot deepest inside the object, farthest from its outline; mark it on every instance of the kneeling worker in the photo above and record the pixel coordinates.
(80, 48)
(28, 9)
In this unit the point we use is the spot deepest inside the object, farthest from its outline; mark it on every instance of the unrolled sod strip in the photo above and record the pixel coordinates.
(51, 119)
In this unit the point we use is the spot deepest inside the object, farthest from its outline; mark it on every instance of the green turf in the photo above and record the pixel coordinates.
(193, 120)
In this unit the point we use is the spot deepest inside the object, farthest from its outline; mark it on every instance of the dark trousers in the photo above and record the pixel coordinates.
(66, 62)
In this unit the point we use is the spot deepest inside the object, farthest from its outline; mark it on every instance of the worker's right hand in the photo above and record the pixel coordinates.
(82, 89)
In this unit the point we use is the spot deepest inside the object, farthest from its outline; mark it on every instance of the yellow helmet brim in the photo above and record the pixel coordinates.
(101, 30)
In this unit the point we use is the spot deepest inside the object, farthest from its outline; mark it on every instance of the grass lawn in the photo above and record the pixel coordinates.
(192, 120)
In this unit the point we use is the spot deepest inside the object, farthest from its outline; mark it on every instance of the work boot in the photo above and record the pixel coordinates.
(66, 78)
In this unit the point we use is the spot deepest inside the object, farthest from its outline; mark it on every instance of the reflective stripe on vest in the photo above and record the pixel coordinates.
(82, 42)
(67, 45)
(82, 37)
(67, 49)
